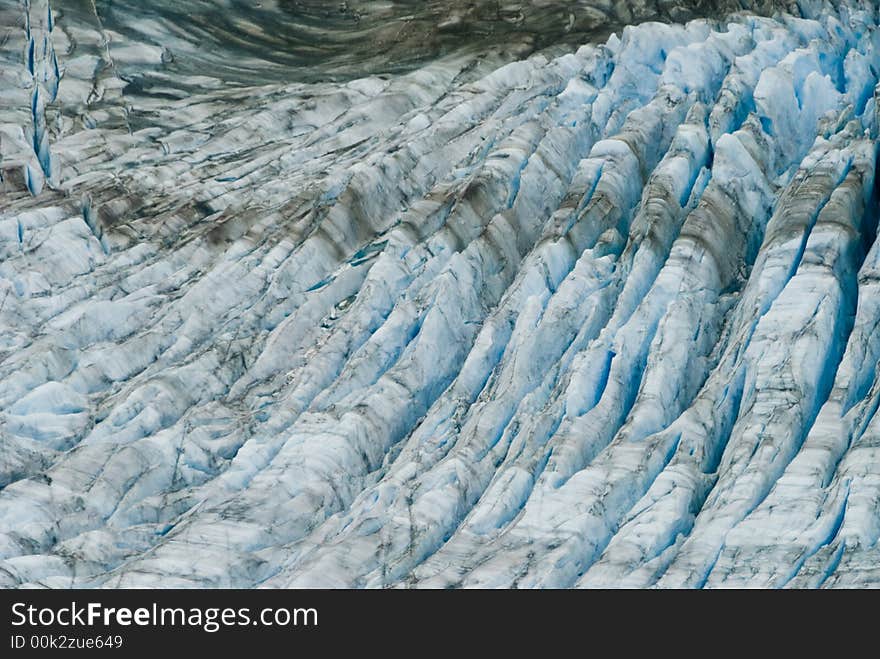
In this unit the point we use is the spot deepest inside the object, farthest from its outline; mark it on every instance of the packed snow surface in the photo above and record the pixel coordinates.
(596, 319)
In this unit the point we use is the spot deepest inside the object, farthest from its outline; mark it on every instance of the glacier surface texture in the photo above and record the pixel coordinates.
(597, 307)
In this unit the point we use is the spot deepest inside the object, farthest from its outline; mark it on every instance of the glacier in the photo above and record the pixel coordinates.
(525, 316)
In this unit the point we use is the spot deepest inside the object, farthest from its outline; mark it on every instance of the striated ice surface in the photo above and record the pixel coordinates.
(601, 318)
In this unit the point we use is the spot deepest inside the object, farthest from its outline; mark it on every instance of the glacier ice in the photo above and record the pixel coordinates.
(596, 318)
